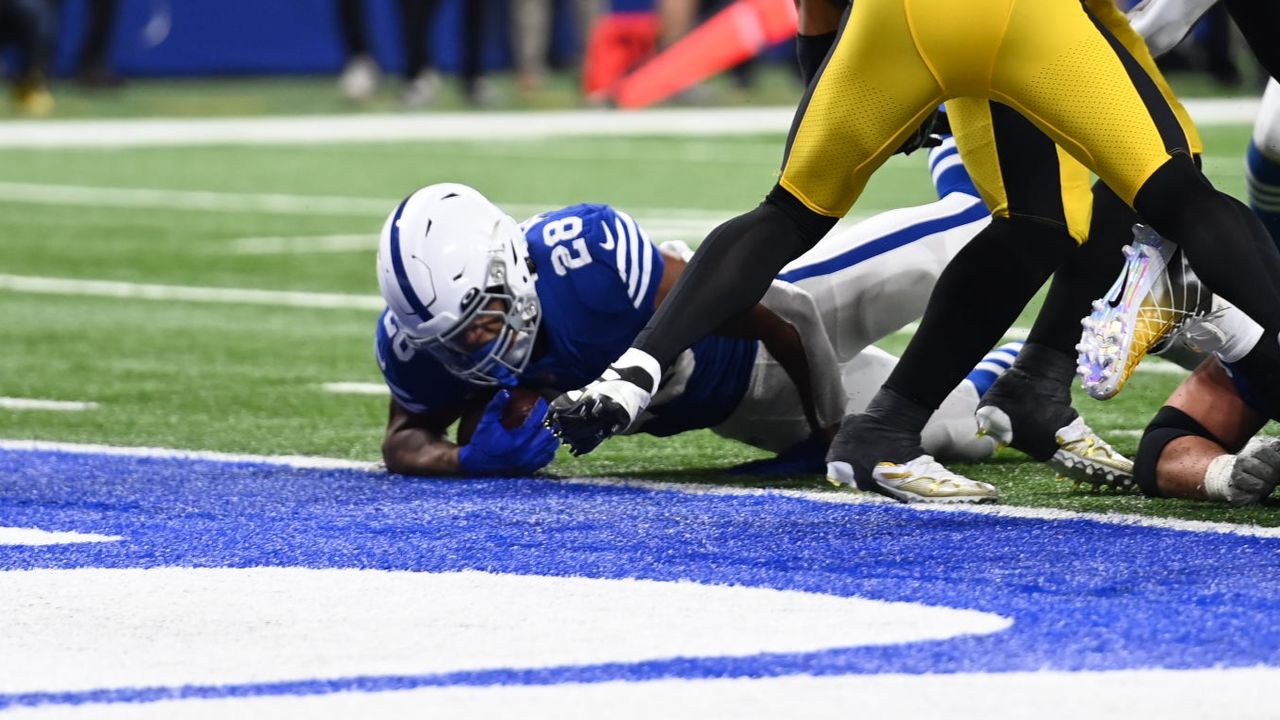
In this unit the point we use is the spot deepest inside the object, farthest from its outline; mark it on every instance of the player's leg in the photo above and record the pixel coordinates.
(846, 126)
(1083, 88)
(982, 290)
(1263, 169)
(771, 416)
(1259, 22)
(1090, 270)
(1189, 448)
(950, 432)
(871, 279)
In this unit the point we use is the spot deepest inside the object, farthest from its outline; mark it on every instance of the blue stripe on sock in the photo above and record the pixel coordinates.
(955, 179)
(983, 377)
(1263, 169)
(1264, 187)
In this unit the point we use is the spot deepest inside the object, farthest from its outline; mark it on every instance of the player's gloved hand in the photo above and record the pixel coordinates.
(1247, 477)
(496, 450)
(928, 135)
(606, 406)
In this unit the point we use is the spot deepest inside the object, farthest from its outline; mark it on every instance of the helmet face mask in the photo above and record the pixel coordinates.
(497, 360)
(455, 272)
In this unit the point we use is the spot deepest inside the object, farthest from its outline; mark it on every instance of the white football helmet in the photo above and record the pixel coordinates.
(450, 260)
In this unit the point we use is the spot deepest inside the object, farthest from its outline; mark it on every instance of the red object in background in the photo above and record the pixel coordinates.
(739, 32)
(618, 43)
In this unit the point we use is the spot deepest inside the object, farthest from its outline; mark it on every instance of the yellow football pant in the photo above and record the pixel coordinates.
(1020, 171)
(1050, 60)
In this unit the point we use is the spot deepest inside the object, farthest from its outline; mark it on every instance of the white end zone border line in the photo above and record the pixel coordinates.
(12, 536)
(302, 130)
(312, 462)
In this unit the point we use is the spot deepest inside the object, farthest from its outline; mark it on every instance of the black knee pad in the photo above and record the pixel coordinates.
(1168, 425)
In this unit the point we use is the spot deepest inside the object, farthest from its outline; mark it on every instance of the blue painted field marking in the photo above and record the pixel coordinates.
(1083, 595)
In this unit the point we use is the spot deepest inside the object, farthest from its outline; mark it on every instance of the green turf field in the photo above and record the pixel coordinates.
(246, 376)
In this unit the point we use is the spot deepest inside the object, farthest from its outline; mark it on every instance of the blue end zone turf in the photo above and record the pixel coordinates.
(1083, 595)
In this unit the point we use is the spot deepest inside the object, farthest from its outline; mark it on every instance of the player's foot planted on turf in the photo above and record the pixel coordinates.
(879, 451)
(1031, 400)
(1029, 409)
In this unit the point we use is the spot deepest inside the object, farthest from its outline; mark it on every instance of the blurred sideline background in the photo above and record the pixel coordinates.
(78, 58)
(208, 284)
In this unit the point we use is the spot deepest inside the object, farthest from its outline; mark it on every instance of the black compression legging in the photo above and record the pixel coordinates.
(1087, 273)
(977, 298)
(731, 271)
(1225, 243)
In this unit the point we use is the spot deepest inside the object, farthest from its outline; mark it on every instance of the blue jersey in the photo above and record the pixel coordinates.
(597, 280)
(1256, 392)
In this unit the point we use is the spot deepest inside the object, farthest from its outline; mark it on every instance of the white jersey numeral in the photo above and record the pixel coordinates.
(568, 256)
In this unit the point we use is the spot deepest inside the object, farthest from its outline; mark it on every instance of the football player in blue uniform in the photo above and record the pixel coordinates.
(478, 304)
(1201, 444)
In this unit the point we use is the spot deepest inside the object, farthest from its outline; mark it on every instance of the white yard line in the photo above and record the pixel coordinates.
(298, 298)
(658, 227)
(313, 129)
(354, 388)
(144, 291)
(298, 244)
(13, 403)
(828, 497)
(672, 219)
(161, 199)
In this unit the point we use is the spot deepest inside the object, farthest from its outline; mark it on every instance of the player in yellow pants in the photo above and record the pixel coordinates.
(1026, 178)
(894, 61)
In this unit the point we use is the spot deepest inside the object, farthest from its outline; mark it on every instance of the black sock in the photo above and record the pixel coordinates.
(1226, 244)
(1087, 273)
(977, 298)
(731, 271)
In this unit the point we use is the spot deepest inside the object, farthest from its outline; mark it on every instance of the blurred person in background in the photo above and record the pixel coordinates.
(29, 26)
(531, 36)
(422, 80)
(93, 64)
(361, 74)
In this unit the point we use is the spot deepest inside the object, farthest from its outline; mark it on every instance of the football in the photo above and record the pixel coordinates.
(519, 406)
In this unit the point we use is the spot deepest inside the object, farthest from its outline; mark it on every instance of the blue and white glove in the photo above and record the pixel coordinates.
(495, 450)
(608, 405)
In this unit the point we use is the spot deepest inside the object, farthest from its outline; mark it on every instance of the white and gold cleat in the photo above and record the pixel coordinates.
(1154, 295)
(1085, 457)
(922, 480)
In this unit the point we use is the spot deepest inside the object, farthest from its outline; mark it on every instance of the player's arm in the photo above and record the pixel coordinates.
(786, 322)
(417, 443)
(1195, 447)
(1163, 23)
